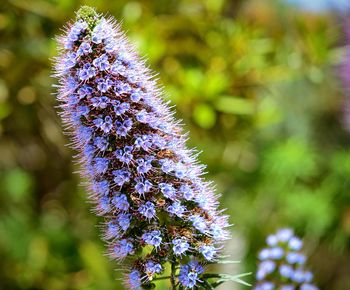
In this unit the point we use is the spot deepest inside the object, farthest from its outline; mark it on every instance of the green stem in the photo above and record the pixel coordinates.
(173, 274)
(161, 278)
(207, 285)
(216, 284)
(212, 275)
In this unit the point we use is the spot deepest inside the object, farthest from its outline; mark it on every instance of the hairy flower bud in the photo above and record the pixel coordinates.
(143, 180)
(281, 265)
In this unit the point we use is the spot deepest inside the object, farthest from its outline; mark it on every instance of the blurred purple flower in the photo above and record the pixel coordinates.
(281, 264)
(321, 5)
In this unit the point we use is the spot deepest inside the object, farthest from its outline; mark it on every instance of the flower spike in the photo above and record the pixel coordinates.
(159, 212)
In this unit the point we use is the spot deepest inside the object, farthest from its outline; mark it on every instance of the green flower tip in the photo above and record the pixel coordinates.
(89, 15)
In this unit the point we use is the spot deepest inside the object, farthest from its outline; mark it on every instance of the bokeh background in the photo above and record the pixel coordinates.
(257, 84)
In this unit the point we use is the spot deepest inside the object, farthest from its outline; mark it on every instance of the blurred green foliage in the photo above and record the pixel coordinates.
(256, 85)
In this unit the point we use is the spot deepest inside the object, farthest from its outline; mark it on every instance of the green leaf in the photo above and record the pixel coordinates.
(226, 277)
(234, 278)
(228, 262)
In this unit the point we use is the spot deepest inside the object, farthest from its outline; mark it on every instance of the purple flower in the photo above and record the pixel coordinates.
(124, 221)
(148, 210)
(120, 108)
(143, 166)
(198, 222)
(284, 235)
(70, 83)
(168, 190)
(101, 187)
(142, 179)
(295, 258)
(276, 253)
(74, 33)
(122, 248)
(121, 176)
(153, 268)
(217, 229)
(84, 48)
(265, 268)
(176, 209)
(103, 206)
(122, 88)
(297, 276)
(287, 287)
(136, 96)
(104, 84)
(100, 102)
(265, 286)
(167, 165)
(101, 62)
(272, 240)
(83, 110)
(89, 152)
(85, 90)
(87, 72)
(143, 142)
(121, 202)
(295, 244)
(125, 154)
(152, 238)
(187, 192)
(102, 31)
(180, 170)
(104, 124)
(208, 251)
(307, 286)
(143, 116)
(101, 165)
(70, 60)
(142, 186)
(264, 254)
(158, 141)
(101, 143)
(134, 279)
(286, 271)
(112, 230)
(122, 128)
(180, 246)
(189, 274)
(118, 68)
(308, 276)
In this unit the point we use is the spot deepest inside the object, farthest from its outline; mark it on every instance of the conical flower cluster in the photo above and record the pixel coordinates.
(159, 212)
(281, 264)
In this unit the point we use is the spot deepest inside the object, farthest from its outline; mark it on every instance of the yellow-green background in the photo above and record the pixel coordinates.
(256, 85)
